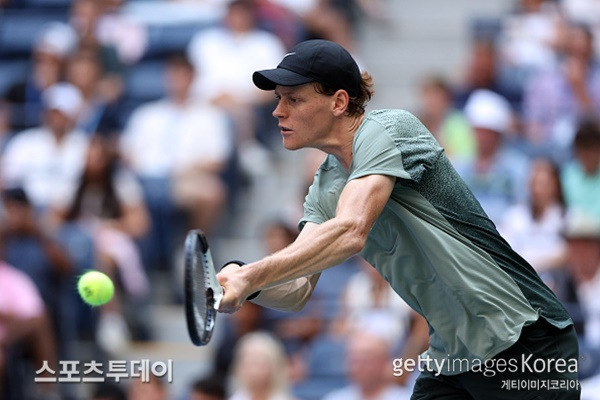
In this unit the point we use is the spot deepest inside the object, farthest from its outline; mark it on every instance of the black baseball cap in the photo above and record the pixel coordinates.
(313, 61)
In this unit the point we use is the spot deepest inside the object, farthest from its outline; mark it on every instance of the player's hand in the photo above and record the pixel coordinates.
(236, 288)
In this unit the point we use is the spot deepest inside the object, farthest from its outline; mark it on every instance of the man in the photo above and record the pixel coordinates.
(555, 99)
(223, 57)
(51, 156)
(368, 357)
(179, 149)
(387, 191)
(582, 234)
(581, 176)
(497, 174)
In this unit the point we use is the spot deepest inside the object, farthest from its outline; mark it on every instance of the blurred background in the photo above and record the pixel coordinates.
(125, 123)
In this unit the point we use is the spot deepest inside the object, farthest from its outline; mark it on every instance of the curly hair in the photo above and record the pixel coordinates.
(357, 104)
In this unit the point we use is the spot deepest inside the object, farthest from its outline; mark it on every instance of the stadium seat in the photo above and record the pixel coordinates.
(20, 28)
(166, 39)
(12, 71)
(31, 4)
(145, 82)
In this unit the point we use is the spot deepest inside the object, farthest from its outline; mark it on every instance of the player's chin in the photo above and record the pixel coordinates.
(290, 144)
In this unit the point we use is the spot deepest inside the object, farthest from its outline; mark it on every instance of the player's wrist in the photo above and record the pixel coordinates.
(245, 276)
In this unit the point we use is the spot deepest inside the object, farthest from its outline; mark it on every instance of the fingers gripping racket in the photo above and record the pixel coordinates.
(203, 293)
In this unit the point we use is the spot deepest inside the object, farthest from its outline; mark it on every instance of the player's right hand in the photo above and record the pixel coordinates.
(236, 288)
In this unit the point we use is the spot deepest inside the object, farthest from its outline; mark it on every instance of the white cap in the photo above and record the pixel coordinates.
(56, 38)
(488, 110)
(581, 225)
(63, 97)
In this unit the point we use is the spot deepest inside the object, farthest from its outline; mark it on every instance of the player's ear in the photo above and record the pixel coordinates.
(340, 102)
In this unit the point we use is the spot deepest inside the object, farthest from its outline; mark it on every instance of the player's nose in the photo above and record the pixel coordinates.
(279, 111)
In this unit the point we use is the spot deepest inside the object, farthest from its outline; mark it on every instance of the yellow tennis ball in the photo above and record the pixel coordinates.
(95, 288)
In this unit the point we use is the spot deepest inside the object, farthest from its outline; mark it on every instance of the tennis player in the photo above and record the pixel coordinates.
(388, 192)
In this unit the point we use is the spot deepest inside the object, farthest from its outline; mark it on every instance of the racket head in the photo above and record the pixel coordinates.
(202, 290)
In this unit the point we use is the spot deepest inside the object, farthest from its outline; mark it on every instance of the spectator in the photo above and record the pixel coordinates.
(5, 130)
(581, 176)
(107, 204)
(260, 369)
(126, 35)
(529, 36)
(25, 333)
(556, 100)
(583, 246)
(46, 158)
(29, 248)
(326, 19)
(280, 20)
(42, 258)
(585, 11)
(497, 174)
(224, 58)
(210, 388)
(250, 319)
(367, 293)
(153, 389)
(24, 99)
(534, 229)
(84, 21)
(296, 331)
(100, 111)
(446, 123)
(108, 391)
(482, 72)
(335, 20)
(590, 388)
(179, 148)
(368, 360)
(367, 296)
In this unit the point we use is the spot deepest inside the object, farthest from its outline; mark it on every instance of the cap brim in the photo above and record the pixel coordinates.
(268, 79)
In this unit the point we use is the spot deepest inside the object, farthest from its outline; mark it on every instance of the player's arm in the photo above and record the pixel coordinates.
(324, 246)
(293, 295)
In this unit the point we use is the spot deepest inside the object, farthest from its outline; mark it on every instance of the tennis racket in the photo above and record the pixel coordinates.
(203, 293)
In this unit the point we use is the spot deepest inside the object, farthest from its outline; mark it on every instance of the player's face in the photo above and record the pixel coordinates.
(305, 116)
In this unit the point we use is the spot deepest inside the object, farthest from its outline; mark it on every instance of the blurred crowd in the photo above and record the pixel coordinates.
(123, 124)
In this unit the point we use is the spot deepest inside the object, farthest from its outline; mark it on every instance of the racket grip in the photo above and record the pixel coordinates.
(241, 263)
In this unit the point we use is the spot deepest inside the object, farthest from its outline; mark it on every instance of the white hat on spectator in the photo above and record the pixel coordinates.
(488, 110)
(56, 38)
(380, 324)
(581, 225)
(63, 97)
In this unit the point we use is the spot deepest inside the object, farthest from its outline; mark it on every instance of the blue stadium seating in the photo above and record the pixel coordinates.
(166, 39)
(12, 71)
(33, 4)
(144, 81)
(20, 28)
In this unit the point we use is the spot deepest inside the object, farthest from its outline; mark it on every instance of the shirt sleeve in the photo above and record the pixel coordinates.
(312, 209)
(399, 146)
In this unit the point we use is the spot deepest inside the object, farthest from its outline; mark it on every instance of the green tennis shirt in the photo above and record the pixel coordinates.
(436, 246)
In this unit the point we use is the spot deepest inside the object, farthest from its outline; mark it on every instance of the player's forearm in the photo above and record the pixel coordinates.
(328, 245)
(290, 296)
